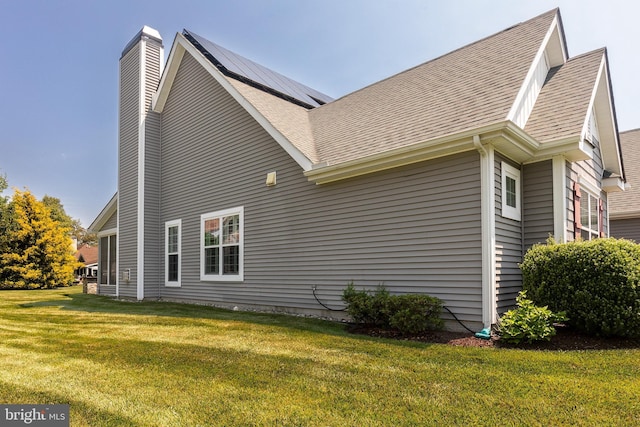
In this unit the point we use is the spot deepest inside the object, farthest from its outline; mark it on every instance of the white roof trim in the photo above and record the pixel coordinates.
(180, 45)
(609, 144)
(553, 29)
(105, 214)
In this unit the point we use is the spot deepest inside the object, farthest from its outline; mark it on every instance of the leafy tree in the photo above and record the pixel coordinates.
(37, 251)
(77, 230)
(57, 212)
(4, 214)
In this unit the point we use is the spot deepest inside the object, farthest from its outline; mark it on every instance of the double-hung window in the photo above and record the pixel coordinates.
(173, 244)
(589, 216)
(511, 194)
(222, 245)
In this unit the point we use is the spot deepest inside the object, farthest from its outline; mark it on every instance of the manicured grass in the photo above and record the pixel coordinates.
(163, 364)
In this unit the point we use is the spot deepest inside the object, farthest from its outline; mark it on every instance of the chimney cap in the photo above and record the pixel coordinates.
(145, 32)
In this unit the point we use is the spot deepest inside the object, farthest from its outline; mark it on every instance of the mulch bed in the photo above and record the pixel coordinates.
(565, 339)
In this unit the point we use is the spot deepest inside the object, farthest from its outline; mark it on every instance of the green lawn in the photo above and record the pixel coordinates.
(163, 364)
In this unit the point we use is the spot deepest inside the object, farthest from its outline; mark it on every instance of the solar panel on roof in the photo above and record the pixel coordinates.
(247, 71)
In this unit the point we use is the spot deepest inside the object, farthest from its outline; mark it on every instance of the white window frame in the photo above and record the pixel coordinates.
(167, 225)
(592, 208)
(511, 212)
(108, 234)
(220, 277)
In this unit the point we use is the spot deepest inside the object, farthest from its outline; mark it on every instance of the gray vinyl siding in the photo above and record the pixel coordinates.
(626, 229)
(508, 247)
(111, 223)
(414, 229)
(153, 236)
(153, 231)
(537, 196)
(128, 168)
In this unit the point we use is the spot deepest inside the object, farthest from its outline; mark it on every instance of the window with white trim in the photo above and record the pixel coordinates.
(222, 245)
(107, 265)
(589, 216)
(511, 193)
(172, 253)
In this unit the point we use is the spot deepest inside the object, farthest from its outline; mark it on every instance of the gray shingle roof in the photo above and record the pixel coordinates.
(470, 87)
(473, 86)
(561, 108)
(629, 200)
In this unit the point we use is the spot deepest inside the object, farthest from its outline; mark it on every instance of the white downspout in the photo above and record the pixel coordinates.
(488, 224)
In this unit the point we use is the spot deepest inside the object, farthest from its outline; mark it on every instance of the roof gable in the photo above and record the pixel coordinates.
(572, 93)
(562, 106)
(182, 46)
(106, 213)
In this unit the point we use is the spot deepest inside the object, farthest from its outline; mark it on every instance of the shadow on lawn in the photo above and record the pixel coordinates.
(196, 312)
(566, 338)
(81, 412)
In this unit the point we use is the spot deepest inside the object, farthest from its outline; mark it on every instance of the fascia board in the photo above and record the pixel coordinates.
(611, 153)
(181, 44)
(625, 215)
(110, 208)
(168, 76)
(609, 146)
(439, 147)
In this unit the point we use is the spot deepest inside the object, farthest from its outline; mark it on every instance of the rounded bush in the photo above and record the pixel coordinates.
(595, 282)
(409, 314)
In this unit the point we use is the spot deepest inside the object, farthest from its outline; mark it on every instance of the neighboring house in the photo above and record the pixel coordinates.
(88, 255)
(625, 207)
(240, 187)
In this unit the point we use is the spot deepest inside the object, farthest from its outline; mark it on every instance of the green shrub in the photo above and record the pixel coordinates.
(409, 314)
(528, 322)
(412, 314)
(597, 283)
(366, 307)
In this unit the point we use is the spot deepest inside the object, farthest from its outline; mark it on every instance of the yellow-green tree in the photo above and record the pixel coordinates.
(37, 251)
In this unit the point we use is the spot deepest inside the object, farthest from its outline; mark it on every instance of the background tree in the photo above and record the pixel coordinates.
(76, 229)
(37, 251)
(4, 214)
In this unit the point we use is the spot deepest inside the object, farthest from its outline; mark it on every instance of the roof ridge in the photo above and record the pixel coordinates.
(600, 50)
(554, 11)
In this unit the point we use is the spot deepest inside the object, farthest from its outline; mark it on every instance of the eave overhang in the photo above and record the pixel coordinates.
(506, 137)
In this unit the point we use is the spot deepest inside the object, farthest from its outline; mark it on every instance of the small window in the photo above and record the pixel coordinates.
(511, 198)
(589, 216)
(222, 236)
(173, 243)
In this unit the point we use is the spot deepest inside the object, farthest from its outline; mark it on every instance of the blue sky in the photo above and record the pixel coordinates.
(59, 64)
